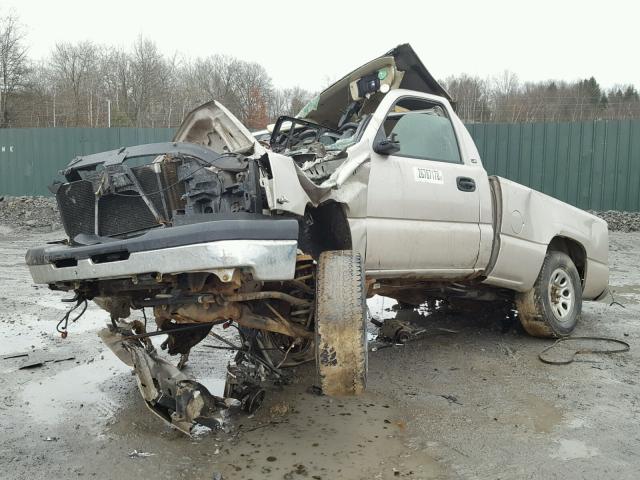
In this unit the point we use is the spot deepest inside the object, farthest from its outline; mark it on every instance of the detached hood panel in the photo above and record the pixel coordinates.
(215, 127)
(416, 76)
(398, 68)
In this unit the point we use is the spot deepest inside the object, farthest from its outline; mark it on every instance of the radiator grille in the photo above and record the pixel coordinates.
(76, 205)
(148, 180)
(119, 213)
(124, 213)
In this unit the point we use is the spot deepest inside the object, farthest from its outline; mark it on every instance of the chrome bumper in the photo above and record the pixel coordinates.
(264, 259)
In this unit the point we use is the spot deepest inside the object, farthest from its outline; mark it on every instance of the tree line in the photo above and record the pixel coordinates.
(84, 84)
(503, 98)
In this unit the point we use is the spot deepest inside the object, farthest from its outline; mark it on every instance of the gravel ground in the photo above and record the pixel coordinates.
(621, 221)
(469, 405)
(39, 214)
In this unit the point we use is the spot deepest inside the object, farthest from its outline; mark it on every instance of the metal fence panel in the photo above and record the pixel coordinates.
(30, 158)
(593, 165)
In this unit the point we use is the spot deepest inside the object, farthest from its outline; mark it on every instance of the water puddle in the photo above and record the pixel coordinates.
(378, 307)
(215, 385)
(574, 449)
(72, 394)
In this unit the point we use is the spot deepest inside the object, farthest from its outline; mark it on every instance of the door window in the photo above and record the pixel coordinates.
(423, 130)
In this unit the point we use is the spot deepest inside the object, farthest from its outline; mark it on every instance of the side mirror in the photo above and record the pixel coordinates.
(387, 146)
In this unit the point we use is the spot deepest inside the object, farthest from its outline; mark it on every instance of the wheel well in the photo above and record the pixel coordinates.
(324, 228)
(575, 251)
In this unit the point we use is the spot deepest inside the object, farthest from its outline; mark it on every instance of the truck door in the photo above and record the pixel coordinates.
(423, 201)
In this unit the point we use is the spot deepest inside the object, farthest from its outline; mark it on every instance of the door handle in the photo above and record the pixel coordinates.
(466, 184)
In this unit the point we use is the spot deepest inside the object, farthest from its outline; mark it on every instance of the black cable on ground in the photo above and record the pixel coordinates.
(624, 348)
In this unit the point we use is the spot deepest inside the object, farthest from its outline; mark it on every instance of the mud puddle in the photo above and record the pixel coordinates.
(75, 393)
(294, 435)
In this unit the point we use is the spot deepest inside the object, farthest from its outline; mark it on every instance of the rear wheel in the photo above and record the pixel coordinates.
(340, 323)
(552, 307)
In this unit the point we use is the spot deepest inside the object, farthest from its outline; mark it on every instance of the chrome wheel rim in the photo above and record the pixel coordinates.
(561, 294)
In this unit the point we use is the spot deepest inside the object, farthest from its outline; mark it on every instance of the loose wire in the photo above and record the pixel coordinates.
(65, 319)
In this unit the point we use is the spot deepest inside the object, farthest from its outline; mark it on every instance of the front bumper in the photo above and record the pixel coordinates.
(266, 250)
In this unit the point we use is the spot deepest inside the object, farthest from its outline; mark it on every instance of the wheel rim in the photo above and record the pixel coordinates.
(561, 295)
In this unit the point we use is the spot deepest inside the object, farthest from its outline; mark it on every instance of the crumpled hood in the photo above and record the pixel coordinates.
(215, 127)
(399, 68)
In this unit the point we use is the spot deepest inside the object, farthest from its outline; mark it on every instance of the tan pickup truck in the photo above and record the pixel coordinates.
(375, 187)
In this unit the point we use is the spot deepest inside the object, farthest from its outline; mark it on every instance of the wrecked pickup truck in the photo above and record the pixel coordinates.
(375, 187)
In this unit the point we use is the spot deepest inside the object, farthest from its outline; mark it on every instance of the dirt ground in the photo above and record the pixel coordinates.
(472, 404)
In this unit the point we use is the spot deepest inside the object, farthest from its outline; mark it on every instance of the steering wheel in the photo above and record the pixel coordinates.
(348, 126)
(307, 136)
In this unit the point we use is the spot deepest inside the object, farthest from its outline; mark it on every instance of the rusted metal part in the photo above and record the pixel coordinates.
(283, 326)
(300, 285)
(397, 330)
(214, 284)
(206, 312)
(275, 312)
(168, 318)
(118, 307)
(199, 313)
(194, 326)
(246, 297)
(141, 331)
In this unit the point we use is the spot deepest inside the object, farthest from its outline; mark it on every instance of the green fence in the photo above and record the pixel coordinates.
(593, 165)
(30, 158)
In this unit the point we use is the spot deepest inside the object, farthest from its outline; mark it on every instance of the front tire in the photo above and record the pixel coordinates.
(552, 307)
(340, 324)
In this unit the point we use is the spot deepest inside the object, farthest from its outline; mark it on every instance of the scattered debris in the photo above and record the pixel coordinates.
(199, 431)
(397, 330)
(279, 409)
(451, 399)
(137, 454)
(400, 332)
(15, 355)
(40, 362)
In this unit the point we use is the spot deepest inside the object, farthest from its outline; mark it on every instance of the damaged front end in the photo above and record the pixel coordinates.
(185, 229)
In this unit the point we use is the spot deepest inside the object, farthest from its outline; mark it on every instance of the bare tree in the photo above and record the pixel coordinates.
(148, 75)
(253, 88)
(471, 96)
(14, 64)
(72, 65)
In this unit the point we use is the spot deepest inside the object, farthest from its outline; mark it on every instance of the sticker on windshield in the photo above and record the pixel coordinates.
(428, 175)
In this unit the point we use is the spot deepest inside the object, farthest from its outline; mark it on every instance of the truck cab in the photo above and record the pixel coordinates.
(374, 187)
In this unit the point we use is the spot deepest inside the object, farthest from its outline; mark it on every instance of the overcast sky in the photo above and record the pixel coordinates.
(306, 43)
